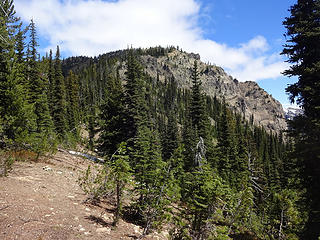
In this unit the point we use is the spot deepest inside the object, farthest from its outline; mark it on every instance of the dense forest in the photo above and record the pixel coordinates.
(190, 163)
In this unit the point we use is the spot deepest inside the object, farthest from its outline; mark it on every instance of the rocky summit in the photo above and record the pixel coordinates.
(246, 98)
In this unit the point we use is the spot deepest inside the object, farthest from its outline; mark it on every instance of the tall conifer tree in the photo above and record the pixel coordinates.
(135, 104)
(303, 50)
(59, 98)
(72, 89)
(38, 85)
(113, 129)
(197, 104)
(17, 115)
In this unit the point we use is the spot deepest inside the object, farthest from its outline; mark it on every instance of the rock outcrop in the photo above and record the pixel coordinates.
(246, 98)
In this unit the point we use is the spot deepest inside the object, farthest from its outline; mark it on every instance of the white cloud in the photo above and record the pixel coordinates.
(92, 27)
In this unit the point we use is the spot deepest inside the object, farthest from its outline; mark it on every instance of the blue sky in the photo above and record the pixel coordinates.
(244, 37)
(234, 22)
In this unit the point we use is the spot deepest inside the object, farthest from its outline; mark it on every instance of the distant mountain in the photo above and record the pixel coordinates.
(292, 112)
(247, 98)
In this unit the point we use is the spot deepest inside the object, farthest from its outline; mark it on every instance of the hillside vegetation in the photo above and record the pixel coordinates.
(184, 147)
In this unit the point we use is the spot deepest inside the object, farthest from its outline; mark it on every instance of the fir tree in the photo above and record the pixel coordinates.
(112, 128)
(20, 45)
(171, 137)
(135, 105)
(51, 82)
(73, 114)
(38, 85)
(59, 99)
(17, 115)
(225, 144)
(196, 121)
(203, 191)
(121, 175)
(188, 139)
(302, 48)
(155, 186)
(197, 104)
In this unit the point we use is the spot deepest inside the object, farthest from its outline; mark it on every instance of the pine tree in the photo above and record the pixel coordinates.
(203, 193)
(17, 115)
(197, 104)
(136, 110)
(302, 48)
(225, 146)
(51, 80)
(155, 184)
(121, 175)
(112, 127)
(38, 85)
(73, 114)
(196, 121)
(171, 137)
(59, 99)
(21, 58)
(188, 139)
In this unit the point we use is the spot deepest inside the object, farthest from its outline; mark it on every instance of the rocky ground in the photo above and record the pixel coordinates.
(42, 200)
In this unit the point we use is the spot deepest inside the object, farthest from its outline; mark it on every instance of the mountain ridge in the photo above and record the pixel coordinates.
(245, 98)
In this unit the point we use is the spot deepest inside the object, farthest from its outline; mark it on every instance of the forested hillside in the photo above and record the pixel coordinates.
(193, 163)
(191, 149)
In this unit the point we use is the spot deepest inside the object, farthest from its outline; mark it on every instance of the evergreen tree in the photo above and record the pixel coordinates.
(135, 105)
(171, 137)
(188, 139)
(121, 175)
(21, 58)
(112, 128)
(196, 121)
(155, 185)
(38, 85)
(51, 82)
(59, 99)
(197, 105)
(204, 194)
(73, 114)
(302, 48)
(17, 115)
(226, 145)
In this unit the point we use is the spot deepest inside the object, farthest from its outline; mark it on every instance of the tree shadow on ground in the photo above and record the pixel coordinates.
(99, 221)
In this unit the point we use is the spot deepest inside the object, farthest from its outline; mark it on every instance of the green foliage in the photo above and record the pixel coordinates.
(220, 233)
(72, 95)
(170, 139)
(16, 113)
(94, 182)
(112, 127)
(197, 104)
(235, 185)
(59, 99)
(287, 218)
(302, 50)
(120, 175)
(43, 142)
(6, 162)
(153, 107)
(135, 95)
(155, 184)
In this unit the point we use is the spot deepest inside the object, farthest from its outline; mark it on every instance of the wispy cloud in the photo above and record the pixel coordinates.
(92, 27)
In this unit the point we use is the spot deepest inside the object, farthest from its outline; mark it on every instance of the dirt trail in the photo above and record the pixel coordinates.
(44, 201)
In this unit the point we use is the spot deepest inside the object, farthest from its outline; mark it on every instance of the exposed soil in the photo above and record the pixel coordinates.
(43, 200)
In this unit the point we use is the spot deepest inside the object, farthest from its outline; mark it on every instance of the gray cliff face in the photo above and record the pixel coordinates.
(246, 98)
